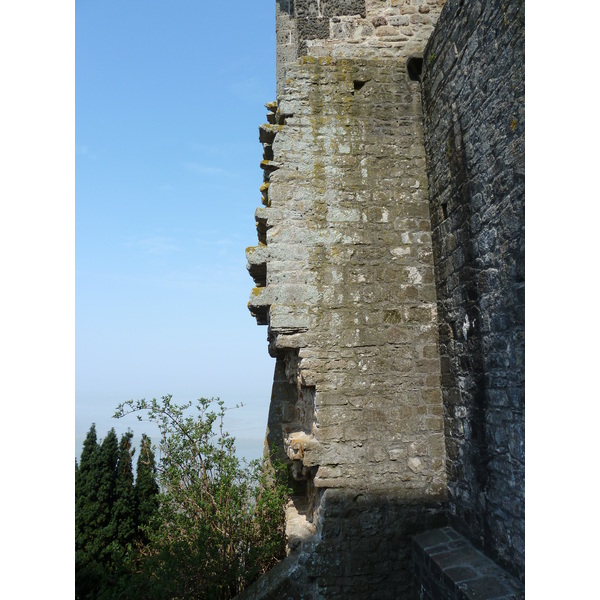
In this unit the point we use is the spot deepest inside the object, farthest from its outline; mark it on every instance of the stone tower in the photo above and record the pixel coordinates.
(346, 283)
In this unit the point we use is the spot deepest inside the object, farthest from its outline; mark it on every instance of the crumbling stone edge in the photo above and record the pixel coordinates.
(279, 581)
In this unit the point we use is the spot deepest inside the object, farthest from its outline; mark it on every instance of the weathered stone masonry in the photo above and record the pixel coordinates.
(473, 101)
(376, 427)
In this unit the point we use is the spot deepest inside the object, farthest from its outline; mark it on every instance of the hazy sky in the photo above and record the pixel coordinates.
(169, 97)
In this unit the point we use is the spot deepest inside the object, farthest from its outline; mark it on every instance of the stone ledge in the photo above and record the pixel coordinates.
(448, 567)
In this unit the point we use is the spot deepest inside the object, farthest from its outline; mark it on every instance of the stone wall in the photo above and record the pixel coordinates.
(352, 28)
(344, 274)
(361, 551)
(473, 100)
(371, 249)
(349, 282)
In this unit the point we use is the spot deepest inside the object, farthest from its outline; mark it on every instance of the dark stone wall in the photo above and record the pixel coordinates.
(362, 551)
(473, 104)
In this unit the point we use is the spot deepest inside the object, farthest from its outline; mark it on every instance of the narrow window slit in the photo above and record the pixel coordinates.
(445, 209)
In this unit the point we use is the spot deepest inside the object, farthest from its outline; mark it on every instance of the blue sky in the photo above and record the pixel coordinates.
(169, 97)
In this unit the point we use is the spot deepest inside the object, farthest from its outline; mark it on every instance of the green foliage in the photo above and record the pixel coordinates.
(146, 488)
(106, 530)
(86, 508)
(123, 515)
(199, 524)
(107, 523)
(220, 523)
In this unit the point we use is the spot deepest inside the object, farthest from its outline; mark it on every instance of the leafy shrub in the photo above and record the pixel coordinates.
(220, 522)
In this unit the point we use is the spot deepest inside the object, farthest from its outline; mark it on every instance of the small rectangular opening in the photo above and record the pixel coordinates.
(414, 66)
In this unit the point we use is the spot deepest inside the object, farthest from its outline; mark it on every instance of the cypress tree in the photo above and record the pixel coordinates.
(106, 530)
(86, 509)
(110, 512)
(146, 488)
(85, 484)
(124, 509)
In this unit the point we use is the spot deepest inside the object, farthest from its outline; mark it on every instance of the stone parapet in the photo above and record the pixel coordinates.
(352, 28)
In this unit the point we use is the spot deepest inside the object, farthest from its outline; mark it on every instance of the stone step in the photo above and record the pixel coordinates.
(448, 567)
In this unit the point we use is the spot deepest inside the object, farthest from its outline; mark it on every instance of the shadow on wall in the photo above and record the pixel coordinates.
(473, 104)
(362, 551)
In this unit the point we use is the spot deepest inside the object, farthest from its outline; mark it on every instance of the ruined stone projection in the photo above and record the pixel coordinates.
(393, 214)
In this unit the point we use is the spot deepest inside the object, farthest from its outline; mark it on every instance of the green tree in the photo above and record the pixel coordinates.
(124, 508)
(220, 523)
(105, 516)
(87, 573)
(106, 526)
(146, 487)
